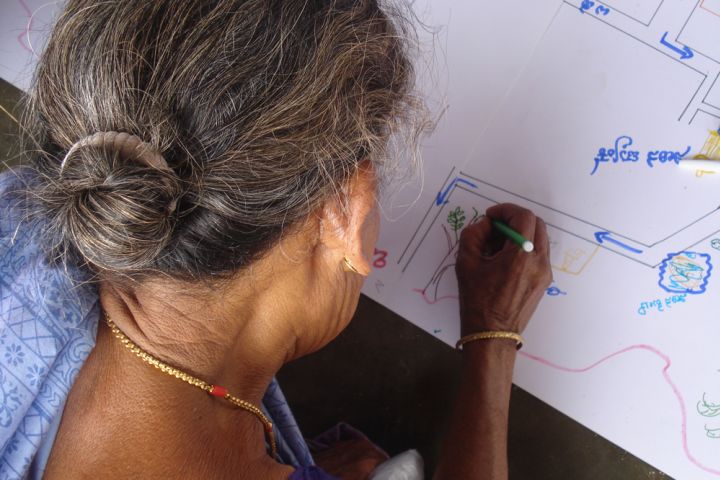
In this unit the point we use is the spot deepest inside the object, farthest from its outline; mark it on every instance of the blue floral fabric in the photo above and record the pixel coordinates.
(48, 324)
(47, 329)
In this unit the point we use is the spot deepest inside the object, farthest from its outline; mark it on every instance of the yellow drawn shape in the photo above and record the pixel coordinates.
(570, 257)
(711, 149)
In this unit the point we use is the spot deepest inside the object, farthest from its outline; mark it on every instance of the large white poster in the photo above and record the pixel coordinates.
(579, 110)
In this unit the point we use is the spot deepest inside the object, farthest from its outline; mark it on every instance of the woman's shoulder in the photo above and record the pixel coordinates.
(16, 215)
(47, 329)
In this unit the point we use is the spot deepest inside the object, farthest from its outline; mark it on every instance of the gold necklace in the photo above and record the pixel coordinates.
(215, 390)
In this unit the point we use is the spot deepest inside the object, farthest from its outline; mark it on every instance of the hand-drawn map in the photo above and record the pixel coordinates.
(579, 110)
(583, 118)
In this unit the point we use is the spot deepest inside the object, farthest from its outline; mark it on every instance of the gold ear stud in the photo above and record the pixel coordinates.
(349, 267)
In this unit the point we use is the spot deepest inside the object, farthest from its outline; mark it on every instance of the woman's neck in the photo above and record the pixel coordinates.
(223, 338)
(124, 408)
(124, 418)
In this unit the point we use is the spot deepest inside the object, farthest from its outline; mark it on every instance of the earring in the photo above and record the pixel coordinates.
(349, 267)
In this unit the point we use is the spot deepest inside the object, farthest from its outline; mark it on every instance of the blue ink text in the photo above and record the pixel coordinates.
(661, 305)
(621, 152)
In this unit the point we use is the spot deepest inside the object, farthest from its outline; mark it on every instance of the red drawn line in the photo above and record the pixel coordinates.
(429, 300)
(25, 33)
(702, 5)
(666, 375)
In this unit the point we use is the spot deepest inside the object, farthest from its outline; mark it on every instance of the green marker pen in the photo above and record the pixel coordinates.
(524, 243)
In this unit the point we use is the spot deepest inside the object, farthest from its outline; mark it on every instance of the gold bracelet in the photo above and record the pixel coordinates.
(489, 335)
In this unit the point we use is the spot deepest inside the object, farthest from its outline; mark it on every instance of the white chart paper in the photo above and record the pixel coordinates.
(579, 111)
(583, 122)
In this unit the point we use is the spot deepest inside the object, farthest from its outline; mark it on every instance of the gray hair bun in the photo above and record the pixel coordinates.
(263, 111)
(115, 198)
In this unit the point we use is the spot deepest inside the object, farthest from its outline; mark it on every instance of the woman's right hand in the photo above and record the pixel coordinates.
(500, 285)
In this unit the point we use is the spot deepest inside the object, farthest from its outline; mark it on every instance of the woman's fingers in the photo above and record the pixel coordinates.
(519, 219)
(501, 291)
(540, 239)
(542, 248)
(474, 238)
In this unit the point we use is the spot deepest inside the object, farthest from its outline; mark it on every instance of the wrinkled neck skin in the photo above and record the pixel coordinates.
(237, 335)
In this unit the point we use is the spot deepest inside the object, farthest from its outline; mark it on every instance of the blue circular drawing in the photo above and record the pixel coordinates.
(555, 291)
(685, 272)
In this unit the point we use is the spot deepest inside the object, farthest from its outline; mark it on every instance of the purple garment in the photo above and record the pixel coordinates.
(311, 473)
(342, 432)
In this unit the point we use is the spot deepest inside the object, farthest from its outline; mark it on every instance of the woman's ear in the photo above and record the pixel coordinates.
(350, 228)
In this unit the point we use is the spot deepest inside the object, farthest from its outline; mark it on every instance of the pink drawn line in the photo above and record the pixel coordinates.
(429, 300)
(28, 27)
(708, 9)
(649, 348)
(669, 381)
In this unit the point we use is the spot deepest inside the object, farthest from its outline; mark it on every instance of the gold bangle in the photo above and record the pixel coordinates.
(490, 335)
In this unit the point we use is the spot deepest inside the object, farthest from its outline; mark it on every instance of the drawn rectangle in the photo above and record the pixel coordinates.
(712, 6)
(562, 115)
(713, 96)
(702, 31)
(706, 120)
(641, 10)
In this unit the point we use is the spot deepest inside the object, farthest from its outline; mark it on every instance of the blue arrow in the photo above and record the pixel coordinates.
(605, 237)
(685, 52)
(442, 196)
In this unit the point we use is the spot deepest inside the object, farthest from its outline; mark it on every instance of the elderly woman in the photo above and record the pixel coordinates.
(200, 211)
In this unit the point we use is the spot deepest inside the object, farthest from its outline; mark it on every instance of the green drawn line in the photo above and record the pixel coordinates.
(708, 409)
(456, 219)
(712, 432)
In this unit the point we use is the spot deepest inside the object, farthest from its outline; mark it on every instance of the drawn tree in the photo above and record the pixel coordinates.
(456, 221)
